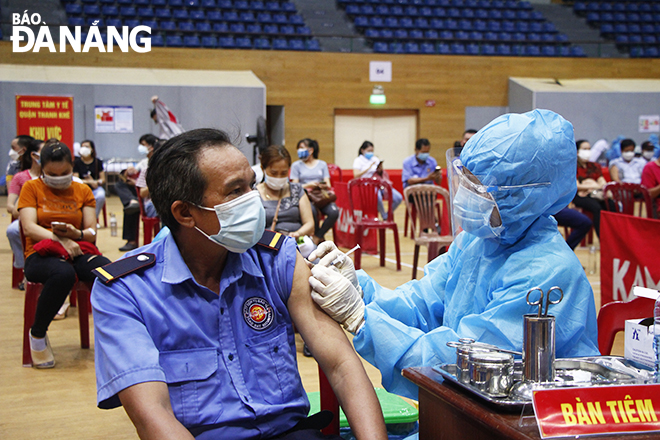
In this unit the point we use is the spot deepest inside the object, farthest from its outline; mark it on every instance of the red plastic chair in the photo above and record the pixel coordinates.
(151, 225)
(612, 319)
(330, 403)
(363, 197)
(16, 275)
(80, 292)
(336, 174)
(625, 195)
(426, 208)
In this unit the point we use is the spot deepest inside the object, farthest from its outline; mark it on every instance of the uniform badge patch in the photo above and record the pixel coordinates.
(258, 313)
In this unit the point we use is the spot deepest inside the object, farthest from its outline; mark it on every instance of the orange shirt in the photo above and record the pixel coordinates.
(54, 205)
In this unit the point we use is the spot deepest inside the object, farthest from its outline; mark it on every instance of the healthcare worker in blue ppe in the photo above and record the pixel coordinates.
(511, 177)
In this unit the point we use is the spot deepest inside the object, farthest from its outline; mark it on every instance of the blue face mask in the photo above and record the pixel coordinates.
(369, 155)
(303, 153)
(423, 156)
(473, 212)
(242, 222)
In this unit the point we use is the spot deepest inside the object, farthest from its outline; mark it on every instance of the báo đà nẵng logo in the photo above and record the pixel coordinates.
(123, 38)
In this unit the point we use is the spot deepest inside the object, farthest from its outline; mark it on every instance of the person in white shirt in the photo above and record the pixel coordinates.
(627, 168)
(365, 165)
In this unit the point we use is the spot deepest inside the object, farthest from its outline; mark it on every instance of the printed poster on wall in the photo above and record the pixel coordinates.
(629, 255)
(113, 119)
(649, 124)
(45, 117)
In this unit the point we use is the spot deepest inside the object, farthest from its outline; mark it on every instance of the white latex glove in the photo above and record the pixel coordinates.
(337, 297)
(328, 252)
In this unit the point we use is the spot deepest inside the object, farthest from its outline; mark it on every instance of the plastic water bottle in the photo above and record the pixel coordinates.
(656, 339)
(592, 263)
(113, 224)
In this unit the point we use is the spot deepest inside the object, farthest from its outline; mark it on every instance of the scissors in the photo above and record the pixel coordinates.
(539, 302)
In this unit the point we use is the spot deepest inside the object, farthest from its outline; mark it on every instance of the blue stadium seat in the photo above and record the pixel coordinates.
(444, 49)
(488, 49)
(175, 3)
(426, 12)
(271, 29)
(548, 38)
(427, 48)
(375, 22)
(561, 38)
(352, 9)
(633, 17)
(254, 28)
(632, 7)
(313, 45)
(92, 10)
(162, 13)
(480, 25)
(577, 51)
(495, 14)
(231, 16)
(264, 17)
(533, 50)
(523, 15)
(364, 9)
(237, 28)
(396, 10)
(494, 26)
(296, 44)
(173, 41)
(132, 22)
(191, 41)
(422, 23)
(465, 25)
(634, 28)
(153, 24)
(214, 16)
(549, 27)
(186, 26)
(197, 15)
(522, 26)
(76, 21)
(390, 22)
(73, 9)
(580, 7)
(209, 4)
(116, 22)
(508, 14)
(634, 39)
(244, 43)
(141, 2)
(225, 4)
(145, 13)
(387, 33)
(461, 35)
(549, 51)
(446, 35)
(243, 5)
(649, 39)
(411, 47)
(536, 26)
(451, 24)
(651, 52)
(103, 2)
(473, 49)
(372, 33)
(440, 12)
(508, 26)
(272, 6)
(280, 44)
(191, 3)
(303, 30)
(380, 47)
(621, 39)
(505, 36)
(209, 41)
(454, 13)
(647, 18)
(437, 23)
(157, 40)
(95, 22)
(203, 26)
(401, 34)
(416, 34)
(482, 14)
(262, 43)
(227, 42)
(468, 13)
(594, 17)
(458, 49)
(180, 14)
(167, 25)
(288, 7)
(476, 36)
(431, 34)
(280, 19)
(411, 11)
(257, 5)
(533, 36)
(287, 29)
(407, 22)
(220, 27)
(247, 17)
(125, 2)
(396, 47)
(519, 36)
(491, 36)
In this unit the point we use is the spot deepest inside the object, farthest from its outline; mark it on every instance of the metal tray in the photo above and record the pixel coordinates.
(570, 372)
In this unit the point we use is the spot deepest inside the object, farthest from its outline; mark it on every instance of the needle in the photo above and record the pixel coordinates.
(340, 258)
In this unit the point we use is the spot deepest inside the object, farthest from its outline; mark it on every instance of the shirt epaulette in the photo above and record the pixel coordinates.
(122, 267)
(271, 239)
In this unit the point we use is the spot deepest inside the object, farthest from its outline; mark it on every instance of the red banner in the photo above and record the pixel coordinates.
(345, 226)
(629, 255)
(564, 412)
(45, 117)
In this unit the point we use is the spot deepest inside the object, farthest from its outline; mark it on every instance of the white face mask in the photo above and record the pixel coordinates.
(276, 183)
(85, 151)
(585, 155)
(13, 154)
(143, 150)
(628, 155)
(648, 155)
(242, 222)
(58, 182)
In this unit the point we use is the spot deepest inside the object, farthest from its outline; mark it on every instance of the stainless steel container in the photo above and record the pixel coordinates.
(463, 359)
(491, 372)
(539, 348)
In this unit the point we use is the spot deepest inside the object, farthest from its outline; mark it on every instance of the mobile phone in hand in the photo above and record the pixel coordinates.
(60, 226)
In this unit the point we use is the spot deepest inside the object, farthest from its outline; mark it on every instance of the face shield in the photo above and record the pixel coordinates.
(473, 199)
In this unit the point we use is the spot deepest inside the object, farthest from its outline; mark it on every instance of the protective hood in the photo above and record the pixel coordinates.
(521, 149)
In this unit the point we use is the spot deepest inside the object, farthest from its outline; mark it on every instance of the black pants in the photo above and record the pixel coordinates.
(127, 193)
(331, 212)
(58, 277)
(594, 206)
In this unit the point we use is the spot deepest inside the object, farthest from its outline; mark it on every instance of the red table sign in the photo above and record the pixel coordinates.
(564, 412)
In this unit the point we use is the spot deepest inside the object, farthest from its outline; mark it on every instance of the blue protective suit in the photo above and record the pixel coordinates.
(478, 288)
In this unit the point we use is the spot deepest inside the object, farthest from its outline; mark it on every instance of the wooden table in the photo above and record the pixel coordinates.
(448, 412)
